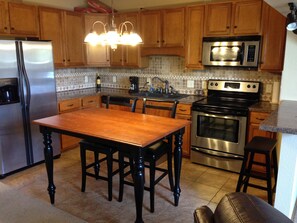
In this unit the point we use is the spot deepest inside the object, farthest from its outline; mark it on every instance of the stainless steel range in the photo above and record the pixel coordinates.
(219, 123)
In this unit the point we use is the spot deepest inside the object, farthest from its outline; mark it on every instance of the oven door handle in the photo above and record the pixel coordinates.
(215, 154)
(212, 112)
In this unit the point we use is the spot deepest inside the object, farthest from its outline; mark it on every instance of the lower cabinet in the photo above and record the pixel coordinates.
(183, 111)
(69, 142)
(255, 119)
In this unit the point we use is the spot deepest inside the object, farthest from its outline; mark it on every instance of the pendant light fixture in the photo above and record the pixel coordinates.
(291, 18)
(112, 37)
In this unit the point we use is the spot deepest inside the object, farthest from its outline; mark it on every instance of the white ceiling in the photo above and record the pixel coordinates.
(281, 5)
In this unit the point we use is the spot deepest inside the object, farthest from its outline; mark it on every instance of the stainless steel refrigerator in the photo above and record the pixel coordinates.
(27, 92)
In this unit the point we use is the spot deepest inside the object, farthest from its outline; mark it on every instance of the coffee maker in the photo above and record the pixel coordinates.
(134, 84)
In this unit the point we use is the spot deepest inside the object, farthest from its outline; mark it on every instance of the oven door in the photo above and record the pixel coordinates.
(219, 132)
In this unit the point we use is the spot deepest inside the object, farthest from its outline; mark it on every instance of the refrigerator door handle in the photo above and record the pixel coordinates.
(26, 79)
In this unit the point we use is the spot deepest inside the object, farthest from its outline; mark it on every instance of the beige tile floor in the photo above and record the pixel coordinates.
(200, 185)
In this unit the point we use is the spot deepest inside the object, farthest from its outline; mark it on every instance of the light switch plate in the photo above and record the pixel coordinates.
(149, 81)
(190, 83)
(114, 79)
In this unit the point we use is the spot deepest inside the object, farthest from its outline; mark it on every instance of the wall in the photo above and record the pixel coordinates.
(289, 77)
(170, 68)
(286, 193)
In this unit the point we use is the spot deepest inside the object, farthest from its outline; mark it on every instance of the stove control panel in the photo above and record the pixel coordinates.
(235, 86)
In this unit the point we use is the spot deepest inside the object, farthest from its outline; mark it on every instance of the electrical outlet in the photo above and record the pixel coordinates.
(149, 81)
(204, 84)
(86, 79)
(268, 88)
(190, 83)
(114, 79)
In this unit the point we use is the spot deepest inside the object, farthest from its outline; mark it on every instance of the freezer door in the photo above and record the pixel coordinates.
(13, 153)
(40, 94)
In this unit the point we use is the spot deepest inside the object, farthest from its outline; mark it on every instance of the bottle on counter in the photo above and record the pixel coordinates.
(98, 82)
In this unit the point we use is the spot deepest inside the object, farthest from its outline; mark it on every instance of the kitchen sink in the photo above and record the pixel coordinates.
(158, 95)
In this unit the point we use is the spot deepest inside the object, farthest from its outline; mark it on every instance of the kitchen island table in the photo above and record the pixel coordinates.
(126, 131)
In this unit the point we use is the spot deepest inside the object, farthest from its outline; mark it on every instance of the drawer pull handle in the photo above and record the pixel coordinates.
(90, 101)
(261, 119)
(70, 105)
(183, 110)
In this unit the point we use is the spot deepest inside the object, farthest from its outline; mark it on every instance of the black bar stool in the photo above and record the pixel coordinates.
(260, 145)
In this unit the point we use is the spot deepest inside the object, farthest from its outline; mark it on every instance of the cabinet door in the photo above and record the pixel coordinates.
(194, 30)
(151, 28)
(218, 19)
(132, 53)
(4, 19)
(273, 39)
(23, 19)
(116, 56)
(173, 27)
(98, 55)
(74, 33)
(247, 17)
(51, 29)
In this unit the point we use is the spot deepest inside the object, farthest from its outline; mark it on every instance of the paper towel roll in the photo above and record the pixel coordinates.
(275, 92)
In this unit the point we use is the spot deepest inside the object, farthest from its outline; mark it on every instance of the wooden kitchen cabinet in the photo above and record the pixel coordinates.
(254, 122)
(194, 34)
(18, 19)
(69, 142)
(163, 29)
(233, 18)
(183, 111)
(66, 31)
(273, 39)
(96, 56)
(128, 56)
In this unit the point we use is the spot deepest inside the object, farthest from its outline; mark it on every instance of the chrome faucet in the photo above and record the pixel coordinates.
(163, 81)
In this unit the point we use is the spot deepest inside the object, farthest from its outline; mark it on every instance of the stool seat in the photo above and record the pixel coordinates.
(261, 144)
(267, 147)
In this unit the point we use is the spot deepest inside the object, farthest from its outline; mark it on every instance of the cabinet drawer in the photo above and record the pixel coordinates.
(257, 117)
(90, 101)
(184, 109)
(68, 105)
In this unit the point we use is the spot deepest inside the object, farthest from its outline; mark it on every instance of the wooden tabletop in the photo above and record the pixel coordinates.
(119, 126)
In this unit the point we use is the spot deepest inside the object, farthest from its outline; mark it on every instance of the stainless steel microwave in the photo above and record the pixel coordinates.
(231, 51)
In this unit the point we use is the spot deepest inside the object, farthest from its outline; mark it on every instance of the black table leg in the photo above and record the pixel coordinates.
(138, 185)
(48, 154)
(177, 164)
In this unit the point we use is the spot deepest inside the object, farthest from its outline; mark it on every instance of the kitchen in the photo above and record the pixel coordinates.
(170, 68)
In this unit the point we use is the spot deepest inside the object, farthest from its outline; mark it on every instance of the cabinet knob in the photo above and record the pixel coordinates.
(228, 27)
(64, 60)
(12, 28)
(235, 27)
(5, 27)
(158, 41)
(68, 60)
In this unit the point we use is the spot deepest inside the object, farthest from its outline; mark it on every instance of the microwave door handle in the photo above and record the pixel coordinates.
(242, 53)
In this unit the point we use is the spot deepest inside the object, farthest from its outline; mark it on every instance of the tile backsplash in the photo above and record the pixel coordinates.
(169, 68)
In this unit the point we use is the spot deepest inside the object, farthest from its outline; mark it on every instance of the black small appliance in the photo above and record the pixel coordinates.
(134, 84)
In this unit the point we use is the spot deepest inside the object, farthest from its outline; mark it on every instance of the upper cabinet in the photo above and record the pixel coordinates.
(128, 56)
(18, 19)
(96, 56)
(66, 31)
(233, 18)
(273, 39)
(163, 29)
(194, 34)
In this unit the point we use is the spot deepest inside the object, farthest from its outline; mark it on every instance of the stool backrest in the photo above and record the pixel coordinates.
(165, 108)
(125, 103)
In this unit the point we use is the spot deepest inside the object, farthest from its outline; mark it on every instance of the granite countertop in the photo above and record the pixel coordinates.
(263, 106)
(284, 119)
(65, 95)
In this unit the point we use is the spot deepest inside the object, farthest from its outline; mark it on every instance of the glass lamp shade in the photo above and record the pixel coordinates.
(92, 38)
(291, 21)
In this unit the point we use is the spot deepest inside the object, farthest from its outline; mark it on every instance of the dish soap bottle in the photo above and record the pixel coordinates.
(98, 82)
